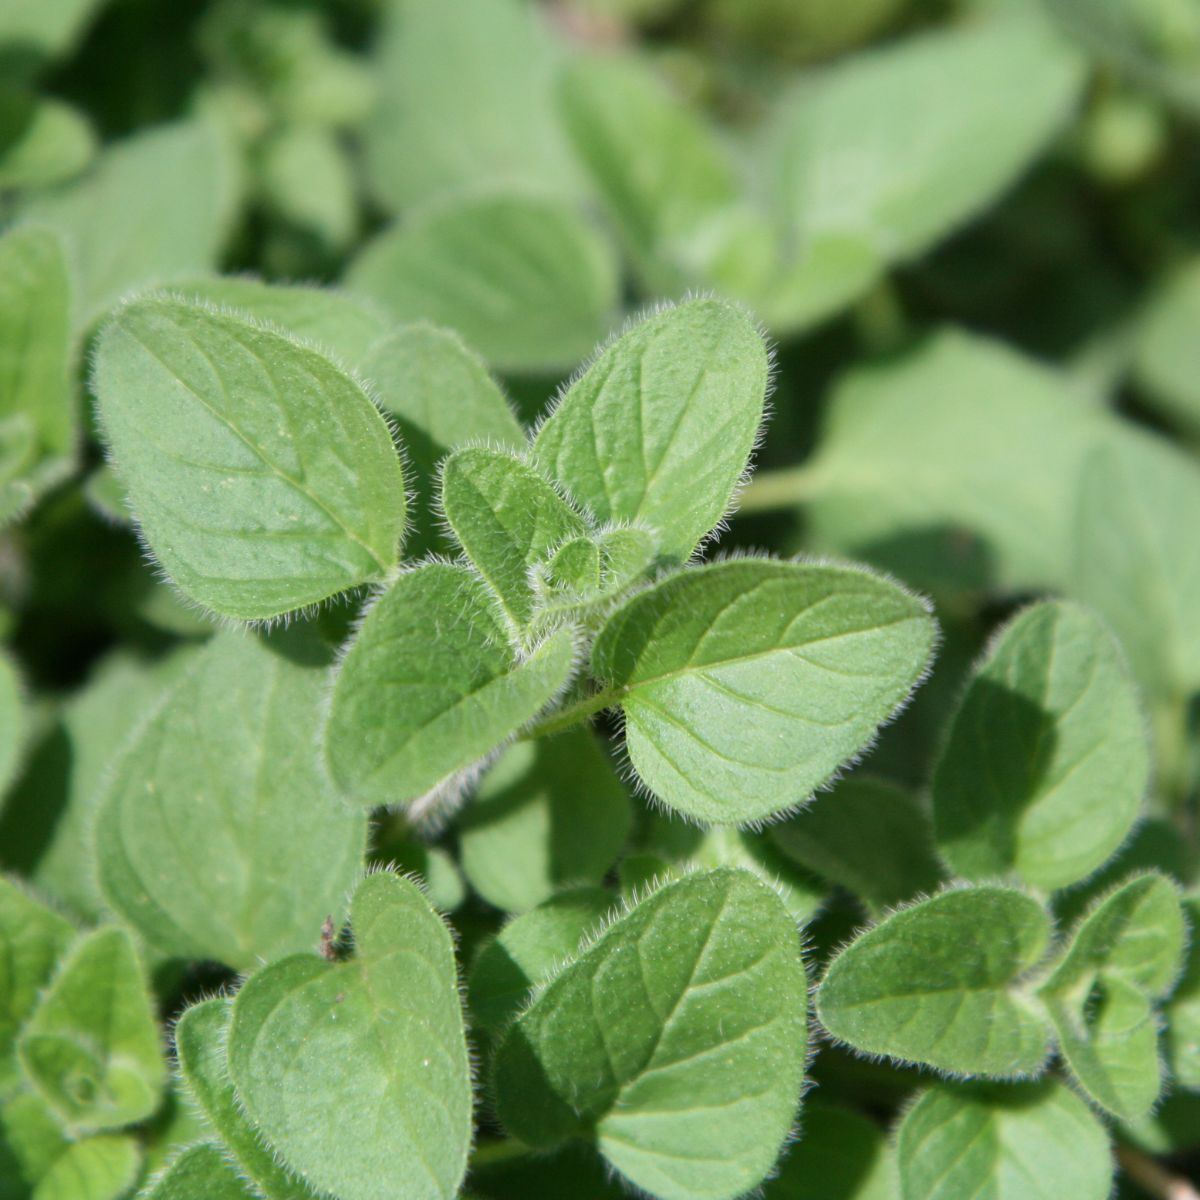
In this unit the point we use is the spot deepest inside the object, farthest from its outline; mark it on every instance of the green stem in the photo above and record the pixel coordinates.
(787, 488)
(573, 714)
(494, 1152)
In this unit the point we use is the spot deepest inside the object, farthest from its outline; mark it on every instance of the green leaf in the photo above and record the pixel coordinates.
(528, 281)
(223, 788)
(39, 1162)
(1137, 561)
(660, 427)
(507, 517)
(308, 182)
(841, 1156)
(43, 30)
(155, 205)
(1046, 761)
(12, 721)
(42, 141)
(440, 395)
(263, 477)
(197, 1172)
(677, 1039)
(37, 410)
(342, 327)
(891, 150)
(32, 938)
(1166, 359)
(91, 1047)
(431, 135)
(200, 1039)
(529, 951)
(940, 983)
(1025, 1141)
(1183, 1010)
(868, 835)
(746, 684)
(383, 1032)
(410, 711)
(47, 826)
(1124, 955)
(551, 812)
(661, 172)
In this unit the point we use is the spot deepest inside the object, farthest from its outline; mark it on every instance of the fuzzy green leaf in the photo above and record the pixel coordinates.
(746, 684)
(39, 1162)
(891, 150)
(581, 578)
(677, 1040)
(1046, 763)
(940, 983)
(223, 787)
(1183, 1011)
(154, 206)
(529, 951)
(868, 835)
(507, 517)
(842, 1156)
(263, 477)
(32, 938)
(200, 1040)
(91, 1047)
(551, 812)
(1124, 955)
(660, 427)
(430, 135)
(529, 282)
(1028, 1141)
(37, 410)
(199, 1172)
(430, 687)
(383, 1032)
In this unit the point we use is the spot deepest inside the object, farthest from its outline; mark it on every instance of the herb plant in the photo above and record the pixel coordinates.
(434, 765)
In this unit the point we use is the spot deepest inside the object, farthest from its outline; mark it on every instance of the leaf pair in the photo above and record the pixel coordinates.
(948, 982)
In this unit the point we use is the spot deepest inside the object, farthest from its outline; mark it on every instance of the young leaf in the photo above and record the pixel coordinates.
(384, 1033)
(551, 812)
(842, 1156)
(343, 327)
(440, 395)
(263, 477)
(940, 983)
(430, 135)
(155, 205)
(430, 687)
(39, 1162)
(660, 427)
(1121, 958)
(746, 684)
(1026, 1141)
(223, 788)
(199, 1171)
(200, 1040)
(868, 835)
(889, 151)
(529, 951)
(37, 410)
(507, 517)
(528, 281)
(91, 1048)
(32, 938)
(1055, 795)
(660, 170)
(677, 1040)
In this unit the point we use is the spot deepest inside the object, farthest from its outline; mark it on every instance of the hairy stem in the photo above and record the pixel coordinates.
(573, 714)
(1154, 1179)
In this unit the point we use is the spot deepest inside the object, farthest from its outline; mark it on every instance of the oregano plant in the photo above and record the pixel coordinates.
(599, 598)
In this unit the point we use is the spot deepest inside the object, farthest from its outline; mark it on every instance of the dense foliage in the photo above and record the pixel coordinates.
(433, 765)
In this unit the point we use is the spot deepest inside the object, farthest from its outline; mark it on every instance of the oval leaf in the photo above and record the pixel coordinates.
(383, 1032)
(262, 475)
(677, 1040)
(746, 684)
